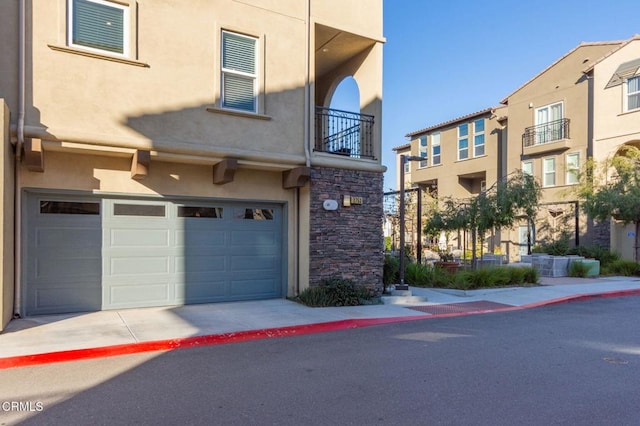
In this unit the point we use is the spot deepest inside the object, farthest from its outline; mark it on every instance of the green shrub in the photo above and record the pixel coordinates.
(531, 275)
(578, 269)
(391, 270)
(604, 255)
(622, 267)
(517, 275)
(336, 292)
(315, 296)
(555, 248)
(417, 274)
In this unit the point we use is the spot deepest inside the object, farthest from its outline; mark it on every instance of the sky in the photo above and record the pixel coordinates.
(446, 59)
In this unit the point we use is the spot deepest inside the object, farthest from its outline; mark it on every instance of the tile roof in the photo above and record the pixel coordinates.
(616, 43)
(455, 120)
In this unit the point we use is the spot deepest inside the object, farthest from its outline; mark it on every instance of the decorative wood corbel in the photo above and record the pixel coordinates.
(140, 164)
(296, 178)
(34, 154)
(224, 171)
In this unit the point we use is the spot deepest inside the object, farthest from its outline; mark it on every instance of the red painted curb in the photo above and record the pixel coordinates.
(245, 336)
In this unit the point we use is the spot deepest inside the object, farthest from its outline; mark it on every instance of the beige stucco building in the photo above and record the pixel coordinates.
(547, 127)
(158, 154)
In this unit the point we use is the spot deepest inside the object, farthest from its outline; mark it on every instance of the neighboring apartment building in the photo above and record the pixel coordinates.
(461, 156)
(573, 110)
(172, 154)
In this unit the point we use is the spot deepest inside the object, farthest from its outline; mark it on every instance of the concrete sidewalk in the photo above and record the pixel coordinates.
(138, 330)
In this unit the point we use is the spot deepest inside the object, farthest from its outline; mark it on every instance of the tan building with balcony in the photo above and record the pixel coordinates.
(461, 156)
(582, 106)
(158, 154)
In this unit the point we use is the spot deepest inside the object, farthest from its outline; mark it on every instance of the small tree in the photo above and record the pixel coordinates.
(499, 207)
(611, 188)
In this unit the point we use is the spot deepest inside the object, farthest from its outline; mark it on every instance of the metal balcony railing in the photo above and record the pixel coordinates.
(545, 133)
(344, 133)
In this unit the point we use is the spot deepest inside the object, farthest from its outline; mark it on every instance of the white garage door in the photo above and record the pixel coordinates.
(87, 254)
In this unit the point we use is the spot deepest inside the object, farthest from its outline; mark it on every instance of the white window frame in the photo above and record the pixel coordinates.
(224, 71)
(463, 138)
(524, 167)
(548, 171)
(126, 28)
(435, 143)
(545, 134)
(572, 170)
(478, 136)
(423, 150)
(628, 95)
(407, 167)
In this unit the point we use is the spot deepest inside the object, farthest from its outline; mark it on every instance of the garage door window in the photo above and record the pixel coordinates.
(254, 214)
(138, 210)
(66, 207)
(200, 212)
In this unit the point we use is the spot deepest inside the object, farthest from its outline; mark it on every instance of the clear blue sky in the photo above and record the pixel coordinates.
(451, 58)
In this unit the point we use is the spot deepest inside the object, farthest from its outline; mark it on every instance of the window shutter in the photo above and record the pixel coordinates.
(239, 71)
(98, 26)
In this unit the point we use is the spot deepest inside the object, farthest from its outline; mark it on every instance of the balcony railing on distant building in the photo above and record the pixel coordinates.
(344, 133)
(545, 133)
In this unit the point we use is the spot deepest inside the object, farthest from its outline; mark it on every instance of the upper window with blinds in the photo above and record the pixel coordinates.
(239, 72)
(99, 25)
(632, 88)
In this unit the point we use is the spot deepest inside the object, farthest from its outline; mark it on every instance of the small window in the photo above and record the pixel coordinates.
(200, 212)
(463, 141)
(99, 25)
(407, 167)
(549, 171)
(254, 214)
(573, 168)
(478, 138)
(67, 207)
(138, 210)
(239, 72)
(435, 149)
(527, 168)
(423, 151)
(633, 93)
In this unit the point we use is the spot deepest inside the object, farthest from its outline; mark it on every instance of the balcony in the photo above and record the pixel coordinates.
(344, 133)
(550, 136)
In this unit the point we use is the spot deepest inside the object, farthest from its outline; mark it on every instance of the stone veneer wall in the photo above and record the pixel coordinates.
(347, 242)
(601, 234)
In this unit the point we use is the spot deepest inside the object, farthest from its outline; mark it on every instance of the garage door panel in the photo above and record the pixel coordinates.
(66, 238)
(139, 265)
(60, 268)
(254, 263)
(201, 263)
(63, 299)
(252, 238)
(198, 289)
(149, 294)
(139, 238)
(254, 287)
(201, 237)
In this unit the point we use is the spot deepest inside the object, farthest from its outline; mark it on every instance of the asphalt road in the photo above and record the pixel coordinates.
(569, 364)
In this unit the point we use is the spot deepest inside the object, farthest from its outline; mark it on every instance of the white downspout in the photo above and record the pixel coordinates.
(307, 88)
(17, 256)
(307, 126)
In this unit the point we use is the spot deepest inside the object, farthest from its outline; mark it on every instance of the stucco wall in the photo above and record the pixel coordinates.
(346, 242)
(6, 219)
(613, 126)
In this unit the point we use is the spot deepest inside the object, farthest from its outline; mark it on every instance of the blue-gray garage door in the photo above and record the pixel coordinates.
(88, 254)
